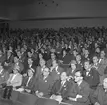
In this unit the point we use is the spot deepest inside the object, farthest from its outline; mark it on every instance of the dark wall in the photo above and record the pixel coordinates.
(60, 8)
(59, 23)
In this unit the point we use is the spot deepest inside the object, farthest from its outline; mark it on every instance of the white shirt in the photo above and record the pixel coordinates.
(28, 81)
(63, 82)
(13, 77)
(79, 83)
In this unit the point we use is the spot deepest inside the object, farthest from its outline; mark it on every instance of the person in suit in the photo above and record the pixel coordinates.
(102, 65)
(59, 91)
(78, 95)
(95, 62)
(40, 68)
(49, 62)
(27, 82)
(91, 75)
(79, 62)
(15, 79)
(56, 70)
(43, 84)
(30, 66)
(17, 64)
(99, 97)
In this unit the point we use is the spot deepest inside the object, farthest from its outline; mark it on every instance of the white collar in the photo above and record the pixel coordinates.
(79, 82)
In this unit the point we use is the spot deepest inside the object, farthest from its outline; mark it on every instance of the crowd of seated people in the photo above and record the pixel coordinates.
(69, 64)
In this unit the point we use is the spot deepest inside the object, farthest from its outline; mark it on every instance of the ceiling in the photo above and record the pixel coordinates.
(24, 2)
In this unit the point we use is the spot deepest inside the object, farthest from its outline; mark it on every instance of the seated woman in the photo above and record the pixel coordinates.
(72, 69)
(15, 80)
(43, 84)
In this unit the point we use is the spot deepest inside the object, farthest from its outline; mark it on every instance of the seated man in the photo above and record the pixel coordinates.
(79, 94)
(43, 84)
(56, 70)
(15, 79)
(60, 88)
(27, 83)
(91, 76)
(99, 97)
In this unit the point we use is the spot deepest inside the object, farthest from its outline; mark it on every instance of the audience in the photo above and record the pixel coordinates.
(35, 54)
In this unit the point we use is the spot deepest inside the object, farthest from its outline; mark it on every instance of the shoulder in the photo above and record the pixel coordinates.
(19, 75)
(85, 84)
(94, 70)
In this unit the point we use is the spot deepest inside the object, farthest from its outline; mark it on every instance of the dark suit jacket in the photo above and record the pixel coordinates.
(58, 89)
(26, 65)
(30, 84)
(38, 72)
(70, 72)
(2, 58)
(102, 66)
(43, 85)
(55, 75)
(83, 89)
(92, 79)
(67, 59)
(99, 96)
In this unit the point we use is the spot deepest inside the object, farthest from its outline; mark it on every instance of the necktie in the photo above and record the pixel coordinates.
(13, 77)
(28, 81)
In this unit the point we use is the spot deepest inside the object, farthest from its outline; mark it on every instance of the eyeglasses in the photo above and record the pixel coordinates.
(77, 76)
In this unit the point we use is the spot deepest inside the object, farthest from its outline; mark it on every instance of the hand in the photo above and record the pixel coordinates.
(96, 103)
(58, 98)
(53, 97)
(41, 94)
(72, 99)
(28, 90)
(79, 96)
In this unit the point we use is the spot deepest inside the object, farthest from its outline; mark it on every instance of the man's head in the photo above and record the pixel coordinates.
(53, 56)
(29, 54)
(95, 59)
(40, 56)
(73, 64)
(78, 57)
(46, 72)
(30, 61)
(30, 73)
(102, 54)
(105, 83)
(42, 62)
(63, 76)
(16, 59)
(78, 76)
(86, 65)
